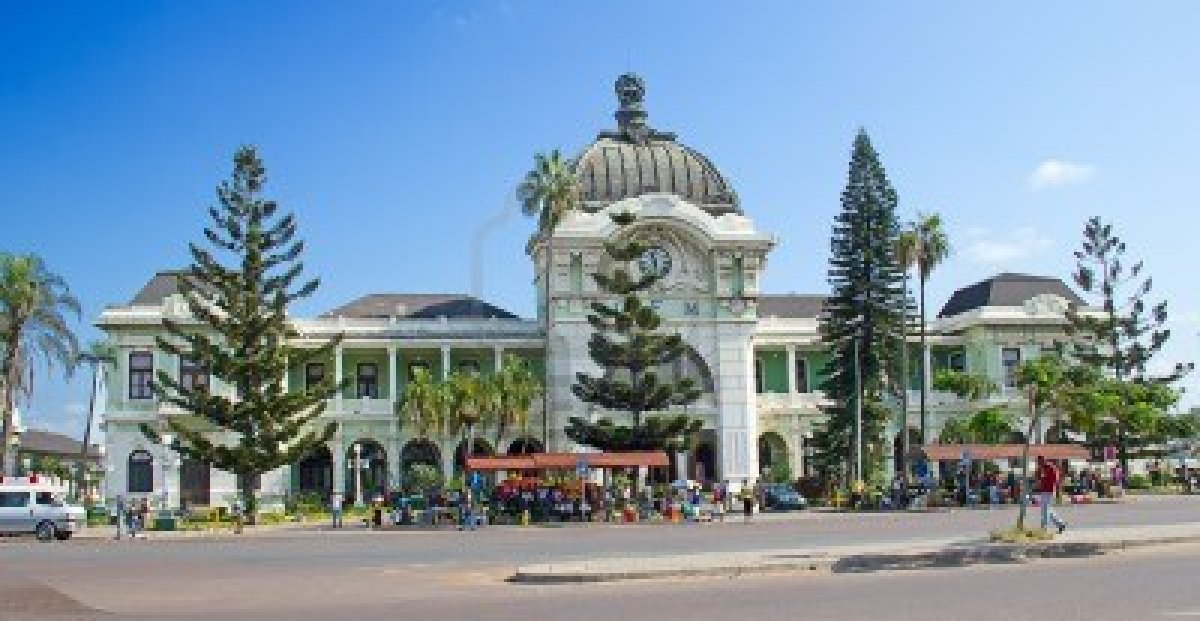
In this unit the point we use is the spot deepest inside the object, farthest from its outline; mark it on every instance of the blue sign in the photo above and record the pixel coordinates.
(581, 466)
(476, 480)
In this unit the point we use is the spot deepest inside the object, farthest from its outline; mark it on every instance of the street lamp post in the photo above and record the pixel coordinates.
(358, 501)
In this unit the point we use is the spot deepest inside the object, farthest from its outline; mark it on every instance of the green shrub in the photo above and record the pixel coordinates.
(1139, 481)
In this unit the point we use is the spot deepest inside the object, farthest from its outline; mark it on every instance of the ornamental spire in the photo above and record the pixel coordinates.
(631, 115)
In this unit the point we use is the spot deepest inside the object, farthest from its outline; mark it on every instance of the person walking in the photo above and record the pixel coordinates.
(747, 504)
(122, 516)
(1048, 481)
(335, 508)
(467, 518)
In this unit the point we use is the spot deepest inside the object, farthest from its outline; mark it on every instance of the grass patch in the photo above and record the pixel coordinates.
(1013, 534)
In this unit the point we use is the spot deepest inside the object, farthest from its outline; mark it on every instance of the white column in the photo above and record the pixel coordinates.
(737, 424)
(339, 466)
(498, 354)
(791, 369)
(337, 376)
(393, 387)
(445, 361)
(927, 367)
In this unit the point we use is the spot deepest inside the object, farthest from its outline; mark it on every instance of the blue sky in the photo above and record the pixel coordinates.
(396, 129)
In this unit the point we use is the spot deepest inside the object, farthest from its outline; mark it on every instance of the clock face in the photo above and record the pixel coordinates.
(655, 261)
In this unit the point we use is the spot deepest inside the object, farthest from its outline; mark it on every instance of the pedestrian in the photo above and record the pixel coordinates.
(335, 508)
(122, 511)
(747, 504)
(1047, 486)
(466, 514)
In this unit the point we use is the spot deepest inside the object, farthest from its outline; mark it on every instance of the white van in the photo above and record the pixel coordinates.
(40, 509)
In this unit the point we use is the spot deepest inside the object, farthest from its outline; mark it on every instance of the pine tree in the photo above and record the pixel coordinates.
(631, 346)
(1122, 338)
(867, 305)
(240, 336)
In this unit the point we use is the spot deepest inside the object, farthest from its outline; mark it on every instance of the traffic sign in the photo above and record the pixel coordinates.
(581, 466)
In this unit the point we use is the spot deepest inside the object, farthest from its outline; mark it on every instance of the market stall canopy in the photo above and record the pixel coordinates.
(954, 452)
(570, 461)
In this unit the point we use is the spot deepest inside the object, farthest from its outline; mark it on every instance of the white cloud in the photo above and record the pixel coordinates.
(985, 247)
(1052, 172)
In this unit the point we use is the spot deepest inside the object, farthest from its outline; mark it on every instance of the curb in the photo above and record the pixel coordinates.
(782, 562)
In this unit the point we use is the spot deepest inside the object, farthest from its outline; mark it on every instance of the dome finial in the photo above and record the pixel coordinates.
(631, 116)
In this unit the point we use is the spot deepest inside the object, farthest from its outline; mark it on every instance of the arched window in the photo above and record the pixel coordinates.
(140, 473)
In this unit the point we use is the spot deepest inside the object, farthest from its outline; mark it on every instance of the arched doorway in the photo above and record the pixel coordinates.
(480, 449)
(140, 473)
(194, 478)
(705, 467)
(420, 452)
(914, 447)
(773, 461)
(524, 446)
(314, 473)
(370, 461)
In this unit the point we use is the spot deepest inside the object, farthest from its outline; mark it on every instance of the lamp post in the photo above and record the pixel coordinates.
(358, 501)
(167, 441)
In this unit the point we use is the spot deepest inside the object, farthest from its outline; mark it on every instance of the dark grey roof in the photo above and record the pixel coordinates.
(159, 288)
(51, 443)
(1007, 289)
(419, 306)
(637, 159)
(791, 305)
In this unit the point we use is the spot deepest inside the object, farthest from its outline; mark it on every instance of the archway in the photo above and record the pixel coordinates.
(194, 479)
(140, 473)
(773, 461)
(705, 466)
(420, 452)
(314, 473)
(369, 458)
(914, 446)
(481, 448)
(525, 445)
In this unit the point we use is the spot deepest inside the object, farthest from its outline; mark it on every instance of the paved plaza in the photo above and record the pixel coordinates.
(448, 574)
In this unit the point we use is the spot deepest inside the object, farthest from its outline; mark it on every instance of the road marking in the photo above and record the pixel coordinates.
(1184, 613)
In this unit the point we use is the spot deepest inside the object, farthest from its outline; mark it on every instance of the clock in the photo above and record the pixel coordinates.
(655, 261)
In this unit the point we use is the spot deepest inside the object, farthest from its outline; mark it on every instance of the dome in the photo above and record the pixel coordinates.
(637, 159)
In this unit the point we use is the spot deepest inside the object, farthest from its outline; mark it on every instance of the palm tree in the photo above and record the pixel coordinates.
(517, 388)
(423, 404)
(469, 405)
(907, 246)
(99, 354)
(548, 191)
(34, 305)
(933, 246)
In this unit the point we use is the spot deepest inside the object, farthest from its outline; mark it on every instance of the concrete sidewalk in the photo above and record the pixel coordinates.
(911, 554)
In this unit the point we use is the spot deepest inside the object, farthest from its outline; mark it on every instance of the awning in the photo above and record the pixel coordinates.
(570, 461)
(954, 452)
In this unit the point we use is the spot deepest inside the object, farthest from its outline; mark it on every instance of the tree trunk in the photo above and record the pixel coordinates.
(1025, 483)
(546, 343)
(81, 476)
(924, 371)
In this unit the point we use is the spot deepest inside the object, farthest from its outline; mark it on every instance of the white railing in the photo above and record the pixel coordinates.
(359, 407)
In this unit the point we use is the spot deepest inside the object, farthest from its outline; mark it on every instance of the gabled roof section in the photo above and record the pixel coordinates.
(163, 285)
(1007, 289)
(418, 306)
(791, 305)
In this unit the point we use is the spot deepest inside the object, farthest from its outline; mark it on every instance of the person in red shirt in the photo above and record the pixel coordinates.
(1048, 479)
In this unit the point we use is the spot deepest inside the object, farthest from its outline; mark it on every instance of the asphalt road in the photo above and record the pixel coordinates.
(363, 575)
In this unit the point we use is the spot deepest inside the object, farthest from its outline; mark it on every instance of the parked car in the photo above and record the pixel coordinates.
(783, 498)
(40, 510)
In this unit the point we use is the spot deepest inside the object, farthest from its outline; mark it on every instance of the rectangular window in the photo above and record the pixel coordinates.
(314, 374)
(14, 500)
(958, 361)
(758, 376)
(141, 375)
(368, 380)
(192, 374)
(737, 280)
(1010, 357)
(802, 375)
(576, 273)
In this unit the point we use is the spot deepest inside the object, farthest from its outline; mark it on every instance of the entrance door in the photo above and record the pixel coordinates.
(193, 483)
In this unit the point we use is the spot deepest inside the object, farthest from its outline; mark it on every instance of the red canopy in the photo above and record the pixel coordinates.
(569, 461)
(954, 452)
